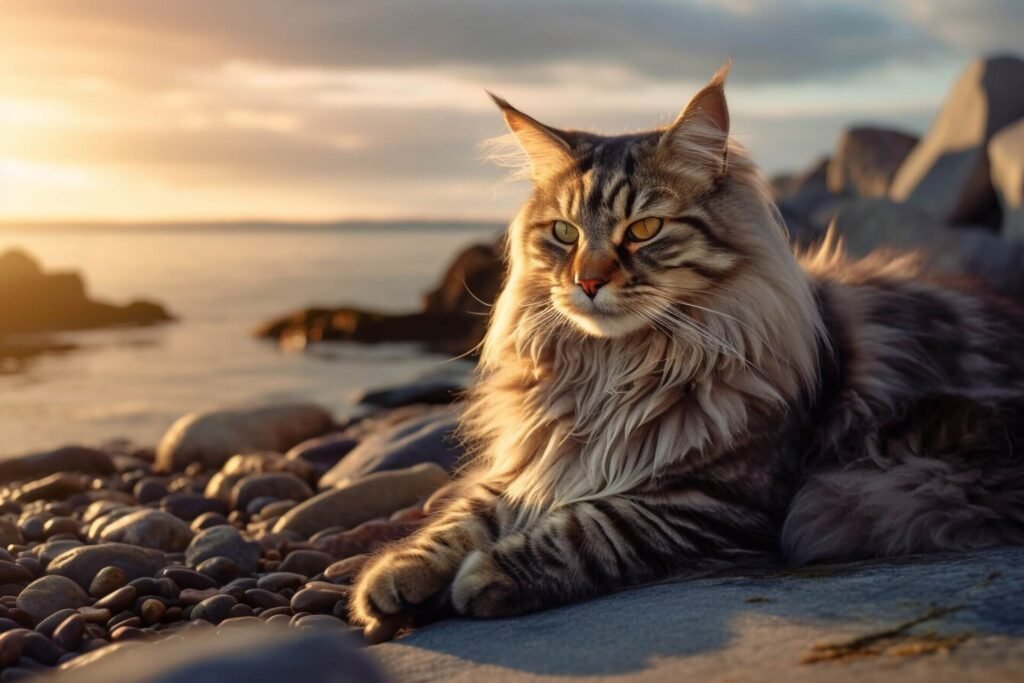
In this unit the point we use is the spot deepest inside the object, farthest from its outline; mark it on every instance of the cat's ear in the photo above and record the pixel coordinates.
(547, 148)
(701, 132)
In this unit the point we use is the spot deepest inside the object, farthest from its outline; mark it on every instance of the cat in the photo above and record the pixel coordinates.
(666, 388)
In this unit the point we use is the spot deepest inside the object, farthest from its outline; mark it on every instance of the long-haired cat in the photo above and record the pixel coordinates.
(665, 389)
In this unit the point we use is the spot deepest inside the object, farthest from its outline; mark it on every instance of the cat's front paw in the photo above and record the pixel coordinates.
(393, 586)
(482, 589)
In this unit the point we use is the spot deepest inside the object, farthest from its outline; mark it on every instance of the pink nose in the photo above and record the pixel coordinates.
(590, 285)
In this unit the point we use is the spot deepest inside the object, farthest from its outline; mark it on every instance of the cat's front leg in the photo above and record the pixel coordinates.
(410, 575)
(574, 552)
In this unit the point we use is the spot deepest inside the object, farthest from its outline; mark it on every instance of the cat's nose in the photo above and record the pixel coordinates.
(590, 285)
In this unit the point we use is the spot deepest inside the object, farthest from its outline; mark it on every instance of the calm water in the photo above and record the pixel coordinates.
(134, 383)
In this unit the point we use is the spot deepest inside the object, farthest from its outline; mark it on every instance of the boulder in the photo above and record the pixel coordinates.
(58, 301)
(868, 224)
(373, 496)
(421, 438)
(255, 654)
(947, 173)
(1006, 154)
(470, 283)
(67, 459)
(149, 529)
(213, 437)
(81, 564)
(866, 160)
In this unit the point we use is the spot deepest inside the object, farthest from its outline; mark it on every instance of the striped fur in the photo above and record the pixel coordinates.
(719, 401)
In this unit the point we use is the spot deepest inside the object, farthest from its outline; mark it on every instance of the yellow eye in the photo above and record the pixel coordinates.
(644, 229)
(565, 233)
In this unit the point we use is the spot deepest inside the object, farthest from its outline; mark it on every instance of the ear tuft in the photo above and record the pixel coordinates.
(547, 148)
(701, 131)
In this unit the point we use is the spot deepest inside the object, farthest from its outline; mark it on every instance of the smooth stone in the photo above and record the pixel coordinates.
(126, 632)
(188, 578)
(271, 612)
(60, 525)
(282, 580)
(42, 649)
(100, 508)
(328, 621)
(49, 594)
(240, 622)
(118, 600)
(150, 490)
(316, 599)
(252, 652)
(306, 562)
(323, 452)
(191, 506)
(276, 508)
(214, 609)
(95, 530)
(32, 528)
(95, 615)
(256, 505)
(373, 496)
(106, 581)
(10, 534)
(67, 459)
(68, 635)
(82, 564)
(279, 620)
(425, 437)
(149, 529)
(12, 572)
(47, 625)
(54, 487)
(152, 611)
(207, 520)
(54, 548)
(223, 541)
(276, 485)
(264, 599)
(194, 596)
(220, 569)
(213, 437)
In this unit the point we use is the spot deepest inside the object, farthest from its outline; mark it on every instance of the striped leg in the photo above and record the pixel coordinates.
(407, 575)
(579, 551)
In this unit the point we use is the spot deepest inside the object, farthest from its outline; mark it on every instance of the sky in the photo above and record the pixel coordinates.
(348, 109)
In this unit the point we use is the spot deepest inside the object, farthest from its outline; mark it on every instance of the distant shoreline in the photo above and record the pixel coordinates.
(14, 225)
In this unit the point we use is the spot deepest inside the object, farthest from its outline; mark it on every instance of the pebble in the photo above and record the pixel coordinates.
(192, 596)
(306, 562)
(32, 528)
(220, 569)
(279, 620)
(149, 529)
(81, 564)
(370, 497)
(48, 594)
(31, 564)
(320, 621)
(54, 487)
(188, 578)
(242, 622)
(11, 644)
(152, 611)
(54, 548)
(107, 580)
(40, 648)
(277, 508)
(60, 525)
(150, 490)
(10, 534)
(68, 635)
(130, 632)
(95, 615)
(47, 625)
(274, 611)
(317, 599)
(242, 610)
(118, 600)
(214, 609)
(207, 520)
(277, 485)
(192, 506)
(256, 505)
(12, 572)
(258, 597)
(282, 580)
(223, 541)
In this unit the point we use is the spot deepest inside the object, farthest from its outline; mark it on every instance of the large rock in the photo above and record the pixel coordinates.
(50, 594)
(424, 437)
(922, 619)
(258, 654)
(58, 301)
(149, 529)
(81, 564)
(805, 201)
(1006, 153)
(947, 174)
(211, 438)
(866, 160)
(67, 459)
(376, 495)
(869, 224)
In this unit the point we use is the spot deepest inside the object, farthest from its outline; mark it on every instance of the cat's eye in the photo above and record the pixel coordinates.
(565, 233)
(644, 229)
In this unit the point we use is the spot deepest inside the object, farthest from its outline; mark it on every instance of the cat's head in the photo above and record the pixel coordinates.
(622, 232)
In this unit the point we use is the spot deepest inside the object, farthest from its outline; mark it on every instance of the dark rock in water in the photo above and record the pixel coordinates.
(58, 301)
(149, 529)
(947, 174)
(450, 320)
(213, 437)
(67, 459)
(83, 563)
(324, 452)
(274, 485)
(223, 541)
(375, 495)
(255, 654)
(50, 594)
(866, 160)
(1006, 153)
(423, 437)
